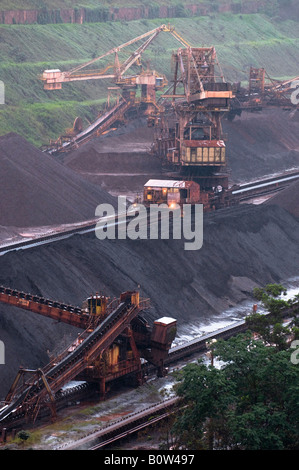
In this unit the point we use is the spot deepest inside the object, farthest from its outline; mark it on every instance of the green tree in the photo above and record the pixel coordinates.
(203, 417)
(251, 403)
(270, 327)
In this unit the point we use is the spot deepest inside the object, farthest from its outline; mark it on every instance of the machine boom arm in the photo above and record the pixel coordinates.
(60, 312)
(53, 79)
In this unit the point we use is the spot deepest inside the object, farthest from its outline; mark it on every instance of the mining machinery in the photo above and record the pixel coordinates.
(114, 342)
(263, 92)
(188, 135)
(187, 118)
(149, 81)
(190, 141)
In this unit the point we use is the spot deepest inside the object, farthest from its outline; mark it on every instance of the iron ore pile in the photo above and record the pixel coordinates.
(243, 247)
(288, 199)
(262, 143)
(37, 190)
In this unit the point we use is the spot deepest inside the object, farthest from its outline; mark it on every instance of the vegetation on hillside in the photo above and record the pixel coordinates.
(27, 50)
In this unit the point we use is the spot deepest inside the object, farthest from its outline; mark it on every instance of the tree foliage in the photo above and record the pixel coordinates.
(270, 327)
(251, 402)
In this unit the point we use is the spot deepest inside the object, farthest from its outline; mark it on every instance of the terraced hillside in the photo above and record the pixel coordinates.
(26, 50)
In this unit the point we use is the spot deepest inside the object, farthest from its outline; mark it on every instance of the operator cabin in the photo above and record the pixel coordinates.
(171, 192)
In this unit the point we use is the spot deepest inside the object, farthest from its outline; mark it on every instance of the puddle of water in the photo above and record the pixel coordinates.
(229, 316)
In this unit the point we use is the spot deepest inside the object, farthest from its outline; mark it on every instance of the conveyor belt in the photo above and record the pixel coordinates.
(71, 364)
(56, 310)
(96, 128)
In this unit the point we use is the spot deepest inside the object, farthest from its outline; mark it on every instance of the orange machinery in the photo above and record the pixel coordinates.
(114, 340)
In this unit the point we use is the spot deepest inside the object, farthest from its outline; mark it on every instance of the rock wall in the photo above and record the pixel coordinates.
(81, 15)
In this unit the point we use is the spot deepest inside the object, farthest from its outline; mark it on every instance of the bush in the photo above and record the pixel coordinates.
(23, 435)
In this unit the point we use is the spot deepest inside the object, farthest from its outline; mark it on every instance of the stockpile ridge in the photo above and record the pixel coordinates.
(37, 190)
